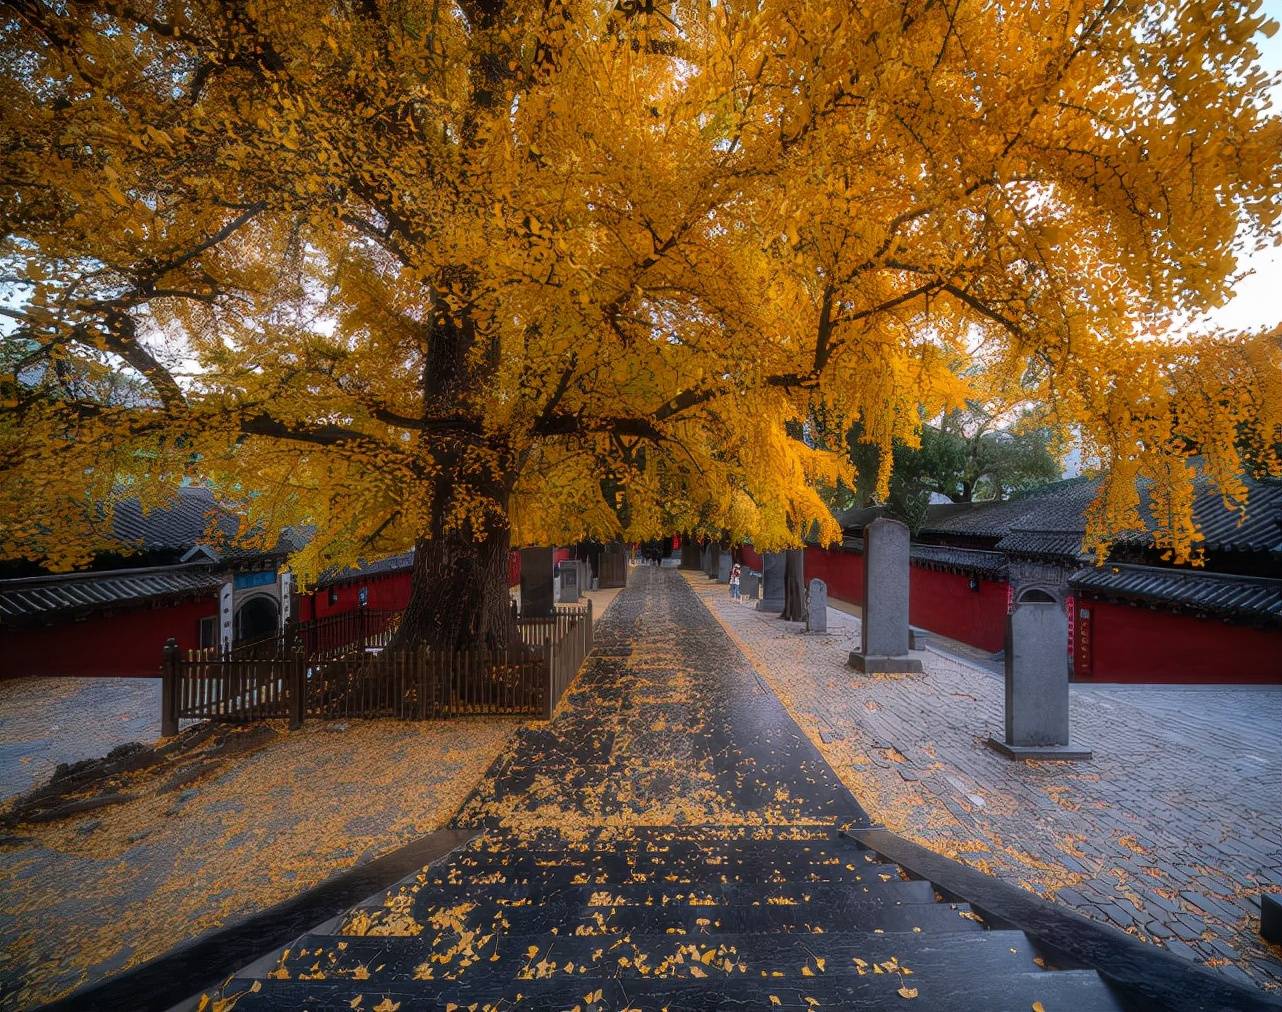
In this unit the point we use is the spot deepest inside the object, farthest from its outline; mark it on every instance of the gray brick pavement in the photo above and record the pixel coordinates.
(1170, 832)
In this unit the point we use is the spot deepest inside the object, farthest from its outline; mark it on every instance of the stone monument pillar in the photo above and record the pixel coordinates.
(724, 561)
(817, 607)
(536, 582)
(691, 556)
(571, 574)
(884, 629)
(1037, 685)
(712, 553)
(749, 584)
(772, 564)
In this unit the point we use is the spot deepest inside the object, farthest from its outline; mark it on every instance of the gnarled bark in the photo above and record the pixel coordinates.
(459, 595)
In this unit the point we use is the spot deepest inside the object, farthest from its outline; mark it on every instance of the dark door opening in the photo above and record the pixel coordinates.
(257, 617)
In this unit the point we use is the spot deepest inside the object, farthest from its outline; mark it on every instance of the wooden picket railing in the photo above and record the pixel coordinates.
(366, 679)
(331, 636)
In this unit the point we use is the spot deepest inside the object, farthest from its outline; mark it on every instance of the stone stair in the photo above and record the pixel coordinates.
(666, 917)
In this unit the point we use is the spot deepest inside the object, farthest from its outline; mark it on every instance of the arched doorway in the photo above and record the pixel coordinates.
(256, 618)
(1036, 596)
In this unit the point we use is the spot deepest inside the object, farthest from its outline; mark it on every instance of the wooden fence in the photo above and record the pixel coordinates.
(331, 636)
(366, 679)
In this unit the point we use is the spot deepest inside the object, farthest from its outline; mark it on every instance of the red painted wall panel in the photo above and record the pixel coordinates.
(390, 592)
(943, 603)
(1123, 643)
(123, 643)
(843, 572)
(938, 601)
(514, 569)
(748, 557)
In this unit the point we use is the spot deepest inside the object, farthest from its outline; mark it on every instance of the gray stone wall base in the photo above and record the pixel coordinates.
(1039, 751)
(871, 664)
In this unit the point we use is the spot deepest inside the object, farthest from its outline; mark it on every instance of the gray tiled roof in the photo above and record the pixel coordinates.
(1217, 593)
(1044, 544)
(379, 567)
(996, 519)
(196, 523)
(180, 524)
(991, 564)
(1051, 521)
(73, 592)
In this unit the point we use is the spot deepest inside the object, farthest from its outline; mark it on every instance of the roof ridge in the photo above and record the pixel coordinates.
(17, 582)
(1180, 571)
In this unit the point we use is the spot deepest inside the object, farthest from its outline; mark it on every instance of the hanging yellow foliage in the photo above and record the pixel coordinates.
(553, 268)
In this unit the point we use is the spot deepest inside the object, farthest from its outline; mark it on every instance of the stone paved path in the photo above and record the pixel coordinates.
(672, 727)
(666, 841)
(1170, 833)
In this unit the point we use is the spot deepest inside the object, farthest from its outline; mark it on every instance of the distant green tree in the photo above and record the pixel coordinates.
(970, 455)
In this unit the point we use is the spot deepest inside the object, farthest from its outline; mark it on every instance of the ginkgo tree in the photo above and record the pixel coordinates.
(463, 275)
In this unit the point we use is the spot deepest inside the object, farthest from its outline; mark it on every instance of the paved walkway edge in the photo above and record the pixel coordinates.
(171, 980)
(1149, 976)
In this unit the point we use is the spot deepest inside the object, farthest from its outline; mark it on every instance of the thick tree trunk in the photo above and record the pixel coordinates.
(794, 585)
(459, 595)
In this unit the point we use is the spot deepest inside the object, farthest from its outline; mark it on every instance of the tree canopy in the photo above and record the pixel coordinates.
(421, 271)
(986, 450)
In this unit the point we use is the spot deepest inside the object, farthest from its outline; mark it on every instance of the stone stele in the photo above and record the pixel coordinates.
(536, 582)
(1037, 685)
(772, 565)
(884, 629)
(817, 607)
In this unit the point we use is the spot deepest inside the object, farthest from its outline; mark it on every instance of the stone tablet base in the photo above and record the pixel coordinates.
(1039, 751)
(871, 665)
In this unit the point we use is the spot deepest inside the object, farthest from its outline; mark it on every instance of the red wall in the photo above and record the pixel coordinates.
(944, 603)
(748, 557)
(119, 643)
(387, 592)
(938, 601)
(1122, 643)
(842, 571)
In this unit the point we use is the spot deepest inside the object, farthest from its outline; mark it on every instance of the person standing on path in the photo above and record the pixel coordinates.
(734, 581)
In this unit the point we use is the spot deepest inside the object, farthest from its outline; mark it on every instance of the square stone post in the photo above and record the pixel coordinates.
(750, 584)
(169, 690)
(772, 566)
(691, 554)
(817, 607)
(711, 553)
(884, 629)
(724, 561)
(571, 573)
(536, 583)
(1037, 684)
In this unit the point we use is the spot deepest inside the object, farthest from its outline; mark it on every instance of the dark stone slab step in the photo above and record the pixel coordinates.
(553, 839)
(396, 960)
(836, 851)
(428, 893)
(570, 869)
(1079, 990)
(846, 912)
